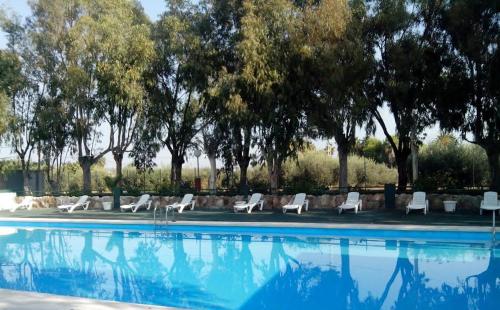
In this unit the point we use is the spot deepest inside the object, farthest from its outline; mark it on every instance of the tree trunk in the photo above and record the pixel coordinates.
(176, 171)
(494, 163)
(86, 165)
(402, 172)
(118, 156)
(414, 157)
(343, 181)
(274, 171)
(213, 174)
(26, 177)
(243, 175)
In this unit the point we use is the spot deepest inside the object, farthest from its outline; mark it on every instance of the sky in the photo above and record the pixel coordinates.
(153, 9)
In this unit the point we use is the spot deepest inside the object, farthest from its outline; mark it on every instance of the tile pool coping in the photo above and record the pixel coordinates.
(361, 226)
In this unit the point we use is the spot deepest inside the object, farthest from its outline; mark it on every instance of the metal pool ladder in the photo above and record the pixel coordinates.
(167, 208)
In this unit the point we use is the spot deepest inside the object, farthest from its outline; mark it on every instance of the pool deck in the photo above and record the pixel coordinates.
(379, 219)
(18, 300)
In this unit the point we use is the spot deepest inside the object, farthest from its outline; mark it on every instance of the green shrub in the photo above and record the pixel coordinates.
(451, 164)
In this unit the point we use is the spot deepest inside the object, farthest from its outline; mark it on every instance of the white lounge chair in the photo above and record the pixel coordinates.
(297, 203)
(255, 200)
(186, 201)
(144, 201)
(83, 202)
(7, 200)
(352, 202)
(418, 203)
(490, 202)
(26, 203)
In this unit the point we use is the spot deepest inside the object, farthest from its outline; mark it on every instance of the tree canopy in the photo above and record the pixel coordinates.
(252, 82)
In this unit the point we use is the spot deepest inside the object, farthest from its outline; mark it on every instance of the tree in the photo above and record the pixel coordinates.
(178, 83)
(93, 53)
(407, 72)
(52, 135)
(270, 82)
(470, 99)
(19, 85)
(235, 116)
(121, 68)
(69, 49)
(341, 58)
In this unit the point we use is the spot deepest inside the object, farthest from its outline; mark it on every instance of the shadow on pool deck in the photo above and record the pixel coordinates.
(395, 217)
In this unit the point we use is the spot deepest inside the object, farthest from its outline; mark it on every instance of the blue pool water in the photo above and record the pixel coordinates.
(217, 268)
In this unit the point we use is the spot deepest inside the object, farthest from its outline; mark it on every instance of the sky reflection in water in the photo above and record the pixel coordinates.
(207, 271)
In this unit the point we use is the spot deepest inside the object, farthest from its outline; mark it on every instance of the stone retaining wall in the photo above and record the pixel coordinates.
(273, 202)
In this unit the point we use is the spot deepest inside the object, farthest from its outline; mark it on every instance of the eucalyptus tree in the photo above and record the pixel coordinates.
(470, 101)
(127, 52)
(52, 135)
(406, 78)
(178, 81)
(339, 57)
(266, 51)
(94, 53)
(18, 78)
(236, 119)
(65, 34)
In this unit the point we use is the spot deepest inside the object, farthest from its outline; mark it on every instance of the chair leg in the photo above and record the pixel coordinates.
(298, 210)
(480, 211)
(284, 210)
(340, 211)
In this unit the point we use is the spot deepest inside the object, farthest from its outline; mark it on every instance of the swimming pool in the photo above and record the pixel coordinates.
(252, 268)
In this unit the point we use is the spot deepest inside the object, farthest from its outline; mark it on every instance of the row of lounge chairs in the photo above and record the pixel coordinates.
(297, 203)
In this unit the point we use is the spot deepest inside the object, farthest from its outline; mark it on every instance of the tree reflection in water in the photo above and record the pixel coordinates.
(205, 271)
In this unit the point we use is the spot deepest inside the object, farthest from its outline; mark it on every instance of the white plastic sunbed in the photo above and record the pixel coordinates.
(490, 202)
(186, 201)
(83, 202)
(27, 204)
(7, 200)
(297, 203)
(144, 201)
(255, 200)
(352, 202)
(418, 203)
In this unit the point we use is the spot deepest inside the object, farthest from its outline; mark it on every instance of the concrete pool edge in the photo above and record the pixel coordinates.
(26, 300)
(396, 227)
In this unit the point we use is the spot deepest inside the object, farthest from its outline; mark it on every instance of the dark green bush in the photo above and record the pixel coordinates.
(447, 163)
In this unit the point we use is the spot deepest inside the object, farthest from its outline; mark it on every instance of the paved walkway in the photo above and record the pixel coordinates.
(18, 300)
(380, 217)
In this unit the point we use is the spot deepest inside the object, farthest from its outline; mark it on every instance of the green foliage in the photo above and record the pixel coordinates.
(407, 73)
(447, 163)
(316, 169)
(375, 149)
(469, 99)
(4, 111)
